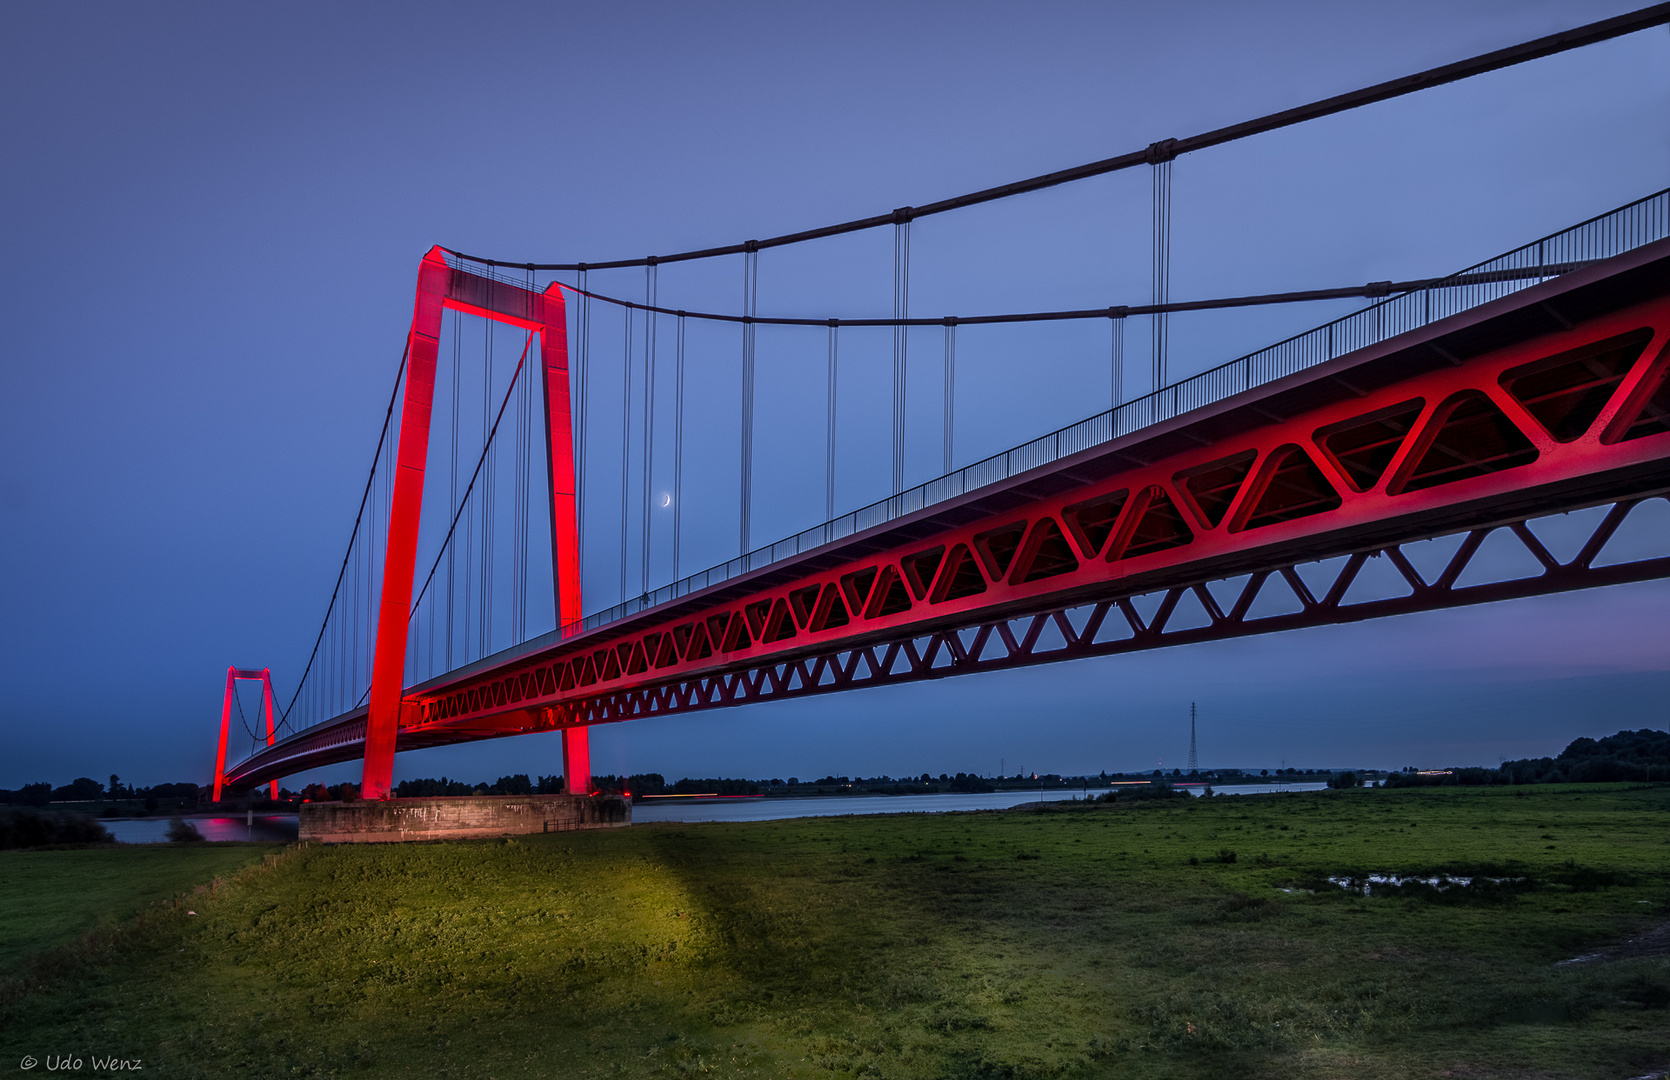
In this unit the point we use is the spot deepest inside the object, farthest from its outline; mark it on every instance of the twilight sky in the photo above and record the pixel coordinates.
(214, 214)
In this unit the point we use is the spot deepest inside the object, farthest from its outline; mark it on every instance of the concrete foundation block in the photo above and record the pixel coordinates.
(459, 817)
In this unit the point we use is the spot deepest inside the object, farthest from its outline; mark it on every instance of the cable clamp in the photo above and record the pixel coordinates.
(1118, 312)
(580, 267)
(750, 246)
(950, 320)
(1378, 288)
(650, 260)
(903, 214)
(833, 323)
(1158, 153)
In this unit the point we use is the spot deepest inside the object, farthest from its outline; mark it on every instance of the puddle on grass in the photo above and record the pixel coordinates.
(1365, 885)
(1392, 884)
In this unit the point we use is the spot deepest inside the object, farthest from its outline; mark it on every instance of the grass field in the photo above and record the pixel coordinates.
(53, 898)
(1090, 941)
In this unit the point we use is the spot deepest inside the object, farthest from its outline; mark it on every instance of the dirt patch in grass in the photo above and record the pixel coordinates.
(1653, 942)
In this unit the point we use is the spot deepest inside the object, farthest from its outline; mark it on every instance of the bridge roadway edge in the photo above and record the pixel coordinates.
(1576, 298)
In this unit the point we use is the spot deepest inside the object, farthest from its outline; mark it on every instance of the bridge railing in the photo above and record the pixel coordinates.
(1602, 237)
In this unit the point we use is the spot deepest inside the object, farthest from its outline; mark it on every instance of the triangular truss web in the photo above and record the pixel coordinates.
(1275, 597)
(1475, 438)
(1502, 557)
(1643, 534)
(1187, 614)
(1565, 535)
(1377, 579)
(1291, 486)
(1213, 487)
(1430, 558)
(1363, 447)
(1049, 637)
(1566, 393)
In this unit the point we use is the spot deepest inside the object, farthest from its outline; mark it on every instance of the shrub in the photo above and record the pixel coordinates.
(182, 831)
(1158, 789)
(35, 828)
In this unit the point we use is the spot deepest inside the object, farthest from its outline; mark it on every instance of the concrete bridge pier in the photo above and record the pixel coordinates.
(459, 817)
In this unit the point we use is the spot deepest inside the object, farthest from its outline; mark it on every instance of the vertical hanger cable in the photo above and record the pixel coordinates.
(452, 490)
(829, 424)
(750, 299)
(1162, 268)
(901, 339)
(651, 291)
(625, 446)
(484, 633)
(678, 444)
(583, 317)
(1117, 330)
(950, 389)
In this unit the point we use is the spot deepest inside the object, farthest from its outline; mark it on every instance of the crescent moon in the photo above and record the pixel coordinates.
(666, 501)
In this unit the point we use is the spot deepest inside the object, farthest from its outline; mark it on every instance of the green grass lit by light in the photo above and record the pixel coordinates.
(51, 898)
(1077, 943)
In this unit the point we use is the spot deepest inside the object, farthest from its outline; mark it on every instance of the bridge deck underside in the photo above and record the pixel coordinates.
(1549, 400)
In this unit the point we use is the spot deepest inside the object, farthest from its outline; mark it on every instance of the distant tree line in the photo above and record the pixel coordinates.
(1629, 755)
(519, 784)
(86, 789)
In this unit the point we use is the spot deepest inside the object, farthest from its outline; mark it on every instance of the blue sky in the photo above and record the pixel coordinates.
(214, 220)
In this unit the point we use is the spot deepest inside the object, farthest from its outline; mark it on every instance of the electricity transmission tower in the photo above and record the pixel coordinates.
(1194, 760)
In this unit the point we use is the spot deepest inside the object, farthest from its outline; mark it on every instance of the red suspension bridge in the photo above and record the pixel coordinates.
(1288, 488)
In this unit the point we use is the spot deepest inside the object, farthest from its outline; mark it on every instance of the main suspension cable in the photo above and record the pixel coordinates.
(1373, 290)
(1535, 49)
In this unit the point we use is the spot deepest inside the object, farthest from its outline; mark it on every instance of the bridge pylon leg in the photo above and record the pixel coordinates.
(576, 760)
(225, 723)
(267, 704)
(388, 668)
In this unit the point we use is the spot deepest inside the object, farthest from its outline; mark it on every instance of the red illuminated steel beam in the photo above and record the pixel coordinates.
(440, 287)
(1551, 399)
(265, 678)
(1220, 610)
(1179, 615)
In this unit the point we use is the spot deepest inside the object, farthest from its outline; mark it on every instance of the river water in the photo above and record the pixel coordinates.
(281, 828)
(761, 809)
(268, 828)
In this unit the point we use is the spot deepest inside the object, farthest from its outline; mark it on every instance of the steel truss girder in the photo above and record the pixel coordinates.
(968, 649)
(1103, 628)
